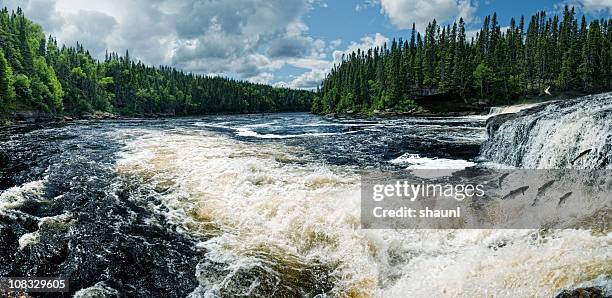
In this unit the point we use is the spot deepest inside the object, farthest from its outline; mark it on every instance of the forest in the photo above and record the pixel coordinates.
(499, 65)
(38, 74)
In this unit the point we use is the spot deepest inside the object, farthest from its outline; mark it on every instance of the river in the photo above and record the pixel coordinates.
(258, 205)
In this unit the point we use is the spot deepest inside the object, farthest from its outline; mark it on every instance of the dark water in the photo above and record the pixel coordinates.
(92, 225)
(106, 231)
(364, 143)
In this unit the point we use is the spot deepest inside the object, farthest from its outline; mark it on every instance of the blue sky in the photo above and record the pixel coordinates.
(281, 42)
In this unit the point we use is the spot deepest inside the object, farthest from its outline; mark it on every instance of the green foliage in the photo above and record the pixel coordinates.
(498, 66)
(483, 76)
(48, 87)
(22, 88)
(36, 73)
(7, 91)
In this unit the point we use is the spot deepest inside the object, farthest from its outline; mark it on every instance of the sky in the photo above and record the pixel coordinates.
(291, 43)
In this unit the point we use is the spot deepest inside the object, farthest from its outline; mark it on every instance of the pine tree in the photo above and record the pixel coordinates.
(430, 77)
(460, 60)
(26, 53)
(592, 58)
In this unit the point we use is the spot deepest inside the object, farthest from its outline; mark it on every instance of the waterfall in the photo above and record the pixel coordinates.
(574, 133)
(494, 111)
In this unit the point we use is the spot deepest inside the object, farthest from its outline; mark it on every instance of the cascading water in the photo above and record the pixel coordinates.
(565, 134)
(260, 206)
(494, 111)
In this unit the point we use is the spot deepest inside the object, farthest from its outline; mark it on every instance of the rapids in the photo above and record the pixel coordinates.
(259, 205)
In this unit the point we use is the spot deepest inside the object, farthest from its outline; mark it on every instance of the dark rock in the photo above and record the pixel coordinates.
(587, 292)
(430, 91)
(33, 116)
(495, 122)
(170, 114)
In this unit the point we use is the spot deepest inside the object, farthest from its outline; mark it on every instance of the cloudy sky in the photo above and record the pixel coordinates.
(282, 42)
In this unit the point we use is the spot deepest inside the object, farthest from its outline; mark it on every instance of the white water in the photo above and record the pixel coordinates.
(251, 200)
(494, 111)
(15, 196)
(247, 132)
(415, 161)
(573, 134)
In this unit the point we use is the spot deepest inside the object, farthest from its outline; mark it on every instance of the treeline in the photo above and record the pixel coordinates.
(37, 74)
(494, 67)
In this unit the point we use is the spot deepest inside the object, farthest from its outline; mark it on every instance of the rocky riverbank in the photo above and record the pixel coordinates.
(37, 117)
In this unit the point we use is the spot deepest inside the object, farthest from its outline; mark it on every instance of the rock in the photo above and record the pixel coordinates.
(32, 116)
(495, 122)
(98, 116)
(163, 115)
(588, 292)
(66, 118)
(429, 91)
(107, 115)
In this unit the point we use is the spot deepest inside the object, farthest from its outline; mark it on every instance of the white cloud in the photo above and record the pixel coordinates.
(335, 43)
(90, 28)
(366, 5)
(320, 68)
(403, 13)
(317, 70)
(262, 78)
(308, 80)
(366, 42)
(597, 5)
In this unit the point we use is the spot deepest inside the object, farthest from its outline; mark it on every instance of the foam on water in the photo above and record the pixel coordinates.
(251, 129)
(212, 125)
(258, 211)
(100, 289)
(248, 132)
(415, 161)
(15, 196)
(511, 109)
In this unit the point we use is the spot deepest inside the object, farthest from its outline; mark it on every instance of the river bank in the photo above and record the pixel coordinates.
(40, 117)
(441, 106)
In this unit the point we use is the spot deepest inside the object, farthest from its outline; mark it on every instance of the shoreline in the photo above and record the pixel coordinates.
(467, 111)
(8, 122)
(37, 117)
(48, 118)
